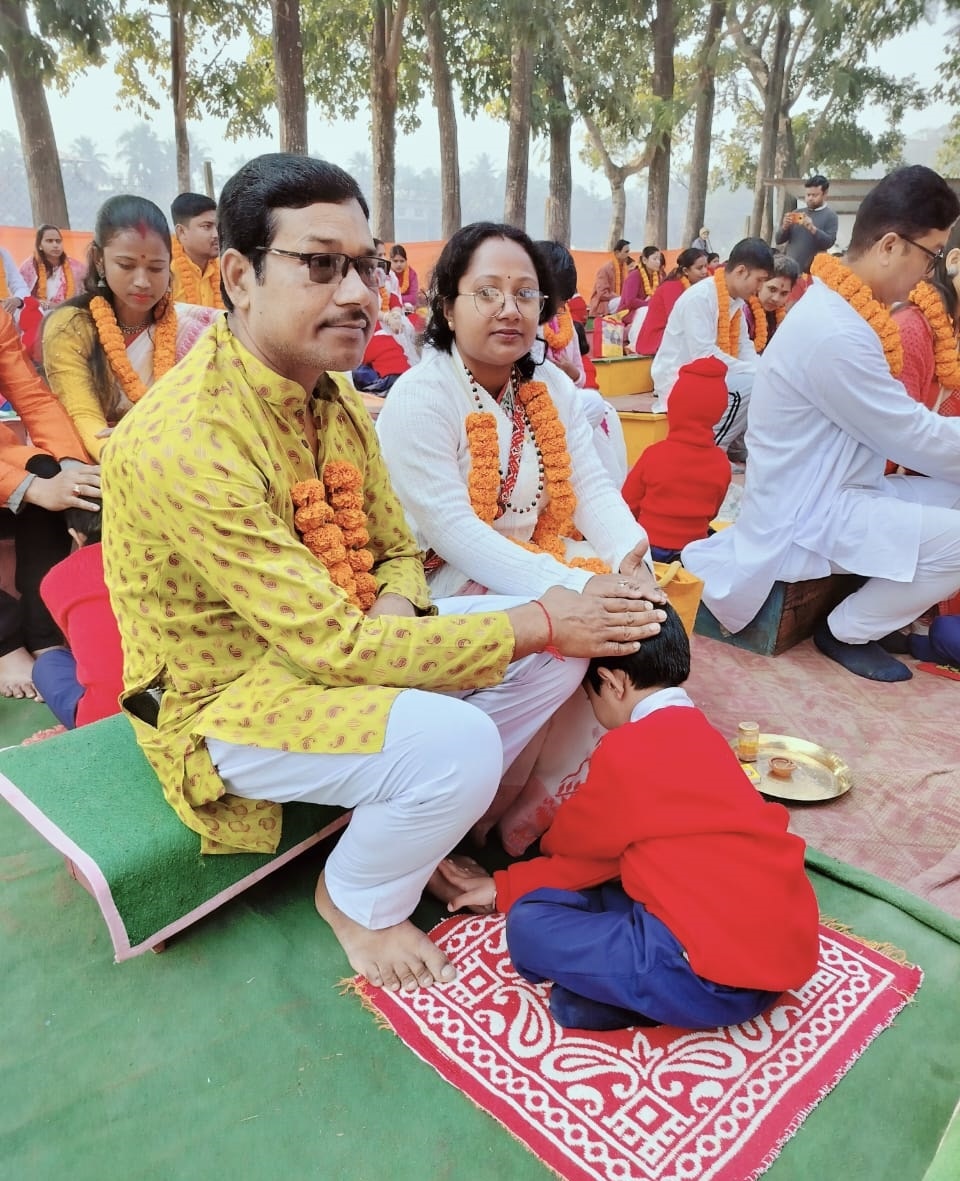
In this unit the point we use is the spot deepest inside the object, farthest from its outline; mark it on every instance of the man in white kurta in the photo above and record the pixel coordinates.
(825, 415)
(691, 333)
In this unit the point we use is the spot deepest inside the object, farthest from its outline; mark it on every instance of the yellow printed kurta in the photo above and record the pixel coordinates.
(221, 605)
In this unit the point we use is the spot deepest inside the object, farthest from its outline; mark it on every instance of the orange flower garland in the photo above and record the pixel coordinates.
(384, 298)
(184, 268)
(332, 522)
(945, 358)
(558, 338)
(164, 346)
(728, 331)
(650, 282)
(844, 282)
(405, 281)
(555, 521)
(619, 271)
(684, 282)
(761, 335)
(4, 288)
(70, 285)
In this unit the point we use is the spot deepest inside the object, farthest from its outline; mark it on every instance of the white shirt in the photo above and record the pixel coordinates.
(691, 333)
(662, 699)
(16, 284)
(422, 431)
(825, 415)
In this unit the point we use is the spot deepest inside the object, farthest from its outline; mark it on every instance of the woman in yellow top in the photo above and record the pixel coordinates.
(104, 349)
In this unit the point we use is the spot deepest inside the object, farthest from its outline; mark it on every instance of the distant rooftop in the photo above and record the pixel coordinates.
(843, 196)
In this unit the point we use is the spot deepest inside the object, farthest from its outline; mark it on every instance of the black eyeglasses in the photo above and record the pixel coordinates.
(933, 255)
(330, 268)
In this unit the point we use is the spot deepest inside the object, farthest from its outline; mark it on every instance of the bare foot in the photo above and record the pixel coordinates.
(16, 675)
(397, 957)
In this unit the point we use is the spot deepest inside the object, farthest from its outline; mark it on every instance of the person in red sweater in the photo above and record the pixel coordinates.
(677, 485)
(712, 917)
(691, 268)
(82, 683)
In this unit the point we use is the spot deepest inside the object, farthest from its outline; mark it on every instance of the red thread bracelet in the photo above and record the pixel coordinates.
(550, 647)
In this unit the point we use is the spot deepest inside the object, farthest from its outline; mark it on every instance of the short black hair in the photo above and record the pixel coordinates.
(620, 243)
(90, 524)
(187, 206)
(564, 270)
(909, 201)
(817, 181)
(454, 262)
(663, 659)
(277, 180)
(752, 253)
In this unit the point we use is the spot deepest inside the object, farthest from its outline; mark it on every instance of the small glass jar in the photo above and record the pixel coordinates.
(748, 742)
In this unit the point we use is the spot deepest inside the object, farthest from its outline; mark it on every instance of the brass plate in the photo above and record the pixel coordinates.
(820, 774)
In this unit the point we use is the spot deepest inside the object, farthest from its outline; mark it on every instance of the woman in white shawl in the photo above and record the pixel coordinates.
(104, 349)
(49, 273)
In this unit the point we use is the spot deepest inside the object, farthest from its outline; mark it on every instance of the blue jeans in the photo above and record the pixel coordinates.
(614, 964)
(55, 676)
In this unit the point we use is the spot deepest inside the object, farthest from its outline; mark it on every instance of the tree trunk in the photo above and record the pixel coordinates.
(178, 91)
(557, 220)
(48, 201)
(760, 218)
(446, 117)
(703, 122)
(618, 205)
(518, 149)
(386, 39)
(658, 176)
(787, 164)
(288, 68)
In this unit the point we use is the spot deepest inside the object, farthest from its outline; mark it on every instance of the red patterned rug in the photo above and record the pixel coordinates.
(658, 1104)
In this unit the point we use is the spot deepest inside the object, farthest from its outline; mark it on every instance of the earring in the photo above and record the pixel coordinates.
(450, 325)
(101, 279)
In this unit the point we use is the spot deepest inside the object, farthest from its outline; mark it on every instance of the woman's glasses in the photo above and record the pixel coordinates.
(328, 269)
(490, 301)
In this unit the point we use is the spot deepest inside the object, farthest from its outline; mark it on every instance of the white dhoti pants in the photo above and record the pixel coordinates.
(441, 762)
(881, 605)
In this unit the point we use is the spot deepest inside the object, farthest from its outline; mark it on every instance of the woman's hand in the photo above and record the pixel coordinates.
(67, 489)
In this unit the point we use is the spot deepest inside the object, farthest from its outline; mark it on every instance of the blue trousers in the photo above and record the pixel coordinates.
(613, 964)
(55, 676)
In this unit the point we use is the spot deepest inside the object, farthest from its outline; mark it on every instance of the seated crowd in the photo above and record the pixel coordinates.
(450, 622)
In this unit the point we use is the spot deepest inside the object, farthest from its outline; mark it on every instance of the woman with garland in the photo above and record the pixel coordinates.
(49, 273)
(639, 287)
(493, 460)
(104, 349)
(764, 312)
(691, 268)
(406, 277)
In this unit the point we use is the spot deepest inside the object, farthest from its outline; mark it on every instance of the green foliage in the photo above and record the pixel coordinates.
(75, 29)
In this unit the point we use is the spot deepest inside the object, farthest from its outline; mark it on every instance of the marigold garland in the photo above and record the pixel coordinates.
(728, 331)
(558, 338)
(946, 360)
(69, 281)
(111, 338)
(650, 281)
(619, 273)
(555, 521)
(684, 282)
(4, 287)
(761, 333)
(405, 280)
(384, 298)
(331, 520)
(184, 268)
(844, 282)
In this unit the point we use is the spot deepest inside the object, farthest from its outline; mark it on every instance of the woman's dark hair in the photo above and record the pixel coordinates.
(943, 281)
(39, 257)
(117, 214)
(785, 267)
(909, 201)
(712, 256)
(397, 251)
(278, 180)
(454, 262)
(560, 263)
(650, 251)
(685, 260)
(663, 659)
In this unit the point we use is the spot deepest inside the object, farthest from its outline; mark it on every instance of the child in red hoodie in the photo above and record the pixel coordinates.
(668, 892)
(81, 683)
(676, 486)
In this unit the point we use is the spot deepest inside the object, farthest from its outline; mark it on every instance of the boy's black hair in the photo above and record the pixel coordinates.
(187, 206)
(817, 181)
(753, 253)
(663, 659)
(90, 524)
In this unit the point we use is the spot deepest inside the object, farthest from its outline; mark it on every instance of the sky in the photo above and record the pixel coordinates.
(916, 53)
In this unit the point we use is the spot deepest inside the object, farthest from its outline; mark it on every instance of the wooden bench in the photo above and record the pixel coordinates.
(618, 377)
(790, 613)
(92, 795)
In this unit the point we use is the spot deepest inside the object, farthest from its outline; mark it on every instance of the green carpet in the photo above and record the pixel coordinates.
(19, 719)
(233, 1054)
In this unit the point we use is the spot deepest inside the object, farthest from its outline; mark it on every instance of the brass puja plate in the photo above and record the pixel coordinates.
(820, 774)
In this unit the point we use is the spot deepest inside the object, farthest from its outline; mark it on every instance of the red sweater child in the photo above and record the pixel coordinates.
(77, 598)
(676, 486)
(667, 808)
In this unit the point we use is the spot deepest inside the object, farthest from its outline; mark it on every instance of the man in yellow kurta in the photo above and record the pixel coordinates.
(272, 685)
(195, 266)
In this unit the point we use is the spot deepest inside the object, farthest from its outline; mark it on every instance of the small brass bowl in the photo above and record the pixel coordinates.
(781, 768)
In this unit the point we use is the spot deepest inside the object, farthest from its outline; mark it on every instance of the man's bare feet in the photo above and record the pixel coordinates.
(16, 675)
(397, 957)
